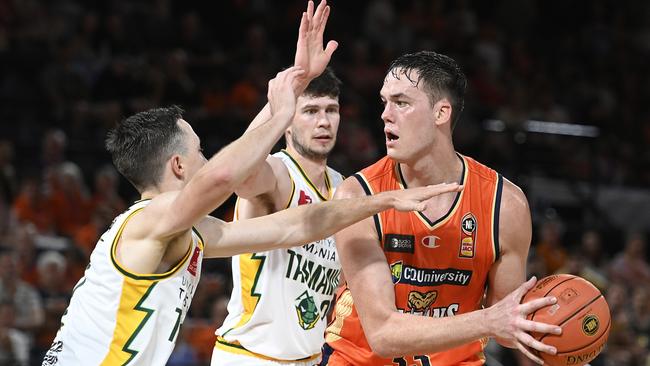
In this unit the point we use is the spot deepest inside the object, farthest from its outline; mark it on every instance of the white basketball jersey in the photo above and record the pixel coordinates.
(117, 317)
(280, 299)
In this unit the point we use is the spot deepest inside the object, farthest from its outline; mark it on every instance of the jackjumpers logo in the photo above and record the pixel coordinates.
(307, 311)
(403, 273)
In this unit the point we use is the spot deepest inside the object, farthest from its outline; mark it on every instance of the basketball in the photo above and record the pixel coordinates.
(581, 311)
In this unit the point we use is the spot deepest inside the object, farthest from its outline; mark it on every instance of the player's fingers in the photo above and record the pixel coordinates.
(318, 14)
(322, 22)
(533, 305)
(529, 354)
(528, 340)
(442, 188)
(310, 12)
(523, 288)
(532, 326)
(331, 47)
(304, 26)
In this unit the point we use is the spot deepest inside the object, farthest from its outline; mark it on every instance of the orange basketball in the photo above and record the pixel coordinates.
(581, 311)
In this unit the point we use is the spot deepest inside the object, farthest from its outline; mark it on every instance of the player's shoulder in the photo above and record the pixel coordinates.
(382, 168)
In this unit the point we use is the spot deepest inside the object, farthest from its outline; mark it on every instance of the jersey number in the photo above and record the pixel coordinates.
(177, 325)
(401, 361)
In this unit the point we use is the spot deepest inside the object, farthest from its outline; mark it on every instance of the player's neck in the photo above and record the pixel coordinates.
(443, 166)
(314, 168)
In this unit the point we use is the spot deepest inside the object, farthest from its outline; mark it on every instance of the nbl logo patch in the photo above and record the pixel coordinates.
(467, 236)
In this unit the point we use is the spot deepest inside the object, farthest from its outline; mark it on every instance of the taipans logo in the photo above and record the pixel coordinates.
(419, 301)
(405, 274)
(307, 311)
(396, 271)
(590, 325)
(431, 241)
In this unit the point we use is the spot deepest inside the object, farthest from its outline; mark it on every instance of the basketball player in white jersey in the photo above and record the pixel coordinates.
(138, 286)
(283, 318)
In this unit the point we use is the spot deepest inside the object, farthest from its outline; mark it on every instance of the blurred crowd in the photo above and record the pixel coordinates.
(72, 69)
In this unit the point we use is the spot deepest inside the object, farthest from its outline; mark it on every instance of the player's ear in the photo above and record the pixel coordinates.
(442, 111)
(177, 166)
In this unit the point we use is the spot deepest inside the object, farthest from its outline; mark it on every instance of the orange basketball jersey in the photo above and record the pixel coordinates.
(438, 268)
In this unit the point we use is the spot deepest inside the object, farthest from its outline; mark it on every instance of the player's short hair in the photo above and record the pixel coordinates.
(441, 76)
(142, 143)
(325, 85)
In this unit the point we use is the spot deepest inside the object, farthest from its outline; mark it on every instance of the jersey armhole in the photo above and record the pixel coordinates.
(496, 208)
(366, 188)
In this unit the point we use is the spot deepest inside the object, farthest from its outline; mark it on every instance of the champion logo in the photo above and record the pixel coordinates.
(431, 241)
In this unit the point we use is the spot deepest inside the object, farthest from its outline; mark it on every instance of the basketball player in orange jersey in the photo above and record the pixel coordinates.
(416, 280)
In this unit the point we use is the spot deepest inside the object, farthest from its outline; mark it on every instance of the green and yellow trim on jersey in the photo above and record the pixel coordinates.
(129, 323)
(236, 348)
(328, 183)
(250, 268)
(147, 276)
(432, 225)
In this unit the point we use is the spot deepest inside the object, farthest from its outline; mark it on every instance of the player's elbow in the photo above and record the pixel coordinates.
(222, 177)
(382, 344)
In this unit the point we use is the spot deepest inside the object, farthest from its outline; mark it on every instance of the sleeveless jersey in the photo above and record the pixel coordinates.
(280, 299)
(438, 268)
(117, 317)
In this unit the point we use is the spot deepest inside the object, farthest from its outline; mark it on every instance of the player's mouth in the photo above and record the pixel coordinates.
(323, 138)
(390, 137)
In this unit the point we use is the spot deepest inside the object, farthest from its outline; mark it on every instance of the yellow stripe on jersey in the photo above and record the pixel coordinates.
(250, 267)
(343, 309)
(132, 315)
(147, 276)
(293, 191)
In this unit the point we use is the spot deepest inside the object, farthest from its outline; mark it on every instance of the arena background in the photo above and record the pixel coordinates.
(558, 101)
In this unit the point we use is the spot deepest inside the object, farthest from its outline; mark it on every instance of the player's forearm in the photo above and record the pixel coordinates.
(404, 334)
(261, 118)
(316, 221)
(241, 156)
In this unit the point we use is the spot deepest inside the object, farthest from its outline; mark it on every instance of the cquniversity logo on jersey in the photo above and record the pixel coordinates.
(403, 273)
(307, 311)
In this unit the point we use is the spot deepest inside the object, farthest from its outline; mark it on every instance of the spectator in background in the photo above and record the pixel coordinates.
(28, 304)
(631, 267)
(549, 248)
(106, 195)
(14, 344)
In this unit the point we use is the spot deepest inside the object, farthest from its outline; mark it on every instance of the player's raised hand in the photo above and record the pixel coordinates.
(508, 323)
(414, 199)
(310, 54)
(281, 95)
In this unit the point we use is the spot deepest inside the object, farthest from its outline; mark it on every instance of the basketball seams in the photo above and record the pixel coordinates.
(605, 334)
(532, 316)
(574, 314)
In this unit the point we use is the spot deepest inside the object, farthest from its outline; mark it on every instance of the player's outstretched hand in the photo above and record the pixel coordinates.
(414, 199)
(282, 97)
(508, 323)
(310, 55)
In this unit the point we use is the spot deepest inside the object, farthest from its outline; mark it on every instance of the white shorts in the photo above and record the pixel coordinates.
(225, 358)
